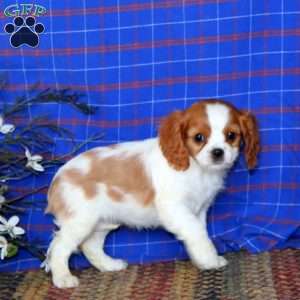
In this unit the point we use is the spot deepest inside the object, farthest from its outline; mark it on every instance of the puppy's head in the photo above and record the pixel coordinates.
(211, 132)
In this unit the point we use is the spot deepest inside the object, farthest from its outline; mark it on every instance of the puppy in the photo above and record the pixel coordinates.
(167, 181)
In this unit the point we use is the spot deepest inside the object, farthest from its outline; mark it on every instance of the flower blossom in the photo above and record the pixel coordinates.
(6, 128)
(33, 161)
(10, 226)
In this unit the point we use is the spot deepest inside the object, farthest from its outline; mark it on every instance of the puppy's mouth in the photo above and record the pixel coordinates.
(220, 165)
(218, 161)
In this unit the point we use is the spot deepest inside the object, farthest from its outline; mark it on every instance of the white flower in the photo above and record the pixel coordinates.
(3, 247)
(33, 161)
(6, 128)
(10, 226)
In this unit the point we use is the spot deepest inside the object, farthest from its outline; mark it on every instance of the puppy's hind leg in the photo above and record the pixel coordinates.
(65, 242)
(92, 248)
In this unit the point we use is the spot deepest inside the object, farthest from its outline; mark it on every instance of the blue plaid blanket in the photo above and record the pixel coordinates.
(136, 61)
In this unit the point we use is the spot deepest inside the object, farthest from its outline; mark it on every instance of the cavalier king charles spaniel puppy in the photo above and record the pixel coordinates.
(167, 181)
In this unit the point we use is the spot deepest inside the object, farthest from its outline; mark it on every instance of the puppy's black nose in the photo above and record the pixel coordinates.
(217, 153)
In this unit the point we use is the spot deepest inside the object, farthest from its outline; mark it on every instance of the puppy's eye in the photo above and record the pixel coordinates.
(199, 138)
(231, 136)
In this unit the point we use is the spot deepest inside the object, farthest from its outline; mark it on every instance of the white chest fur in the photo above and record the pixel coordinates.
(194, 187)
(203, 190)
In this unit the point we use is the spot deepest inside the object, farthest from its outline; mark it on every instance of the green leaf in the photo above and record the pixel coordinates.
(12, 250)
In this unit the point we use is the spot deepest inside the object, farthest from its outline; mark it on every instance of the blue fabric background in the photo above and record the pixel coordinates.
(139, 60)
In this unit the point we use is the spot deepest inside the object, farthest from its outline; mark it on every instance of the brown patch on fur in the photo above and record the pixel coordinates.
(115, 193)
(196, 123)
(79, 179)
(56, 205)
(251, 138)
(234, 127)
(238, 136)
(171, 141)
(121, 175)
(177, 135)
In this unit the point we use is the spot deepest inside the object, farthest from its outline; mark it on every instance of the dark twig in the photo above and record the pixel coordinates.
(36, 137)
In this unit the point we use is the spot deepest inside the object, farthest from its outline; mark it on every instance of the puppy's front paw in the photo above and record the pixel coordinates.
(216, 262)
(222, 262)
(67, 281)
(113, 265)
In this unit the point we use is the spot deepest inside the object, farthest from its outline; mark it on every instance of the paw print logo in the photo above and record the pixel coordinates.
(24, 32)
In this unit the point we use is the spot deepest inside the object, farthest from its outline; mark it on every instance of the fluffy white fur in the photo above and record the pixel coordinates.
(182, 199)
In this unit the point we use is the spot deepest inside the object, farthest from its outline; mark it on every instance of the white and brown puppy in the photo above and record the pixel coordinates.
(167, 181)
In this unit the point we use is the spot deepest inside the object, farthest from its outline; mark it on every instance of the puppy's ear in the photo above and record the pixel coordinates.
(250, 134)
(171, 141)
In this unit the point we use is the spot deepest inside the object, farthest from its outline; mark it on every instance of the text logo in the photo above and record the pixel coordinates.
(24, 30)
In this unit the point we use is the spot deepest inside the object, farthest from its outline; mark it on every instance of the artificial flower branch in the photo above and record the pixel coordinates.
(26, 151)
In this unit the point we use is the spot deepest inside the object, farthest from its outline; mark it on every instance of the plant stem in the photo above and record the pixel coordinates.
(30, 248)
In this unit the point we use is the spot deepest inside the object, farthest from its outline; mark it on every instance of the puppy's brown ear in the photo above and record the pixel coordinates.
(250, 134)
(171, 137)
